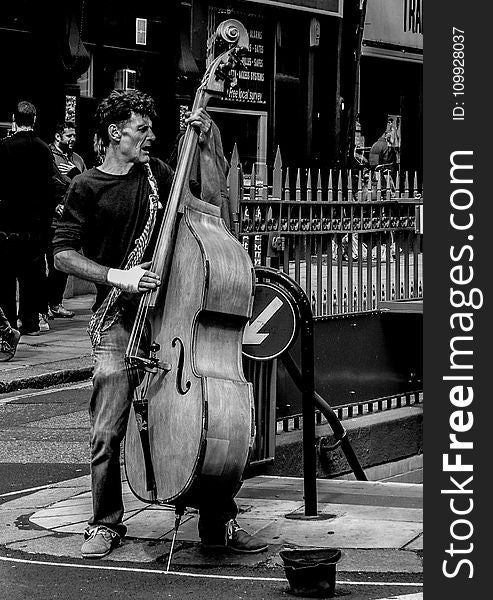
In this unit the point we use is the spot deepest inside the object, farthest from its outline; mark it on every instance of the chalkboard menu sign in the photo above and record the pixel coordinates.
(250, 81)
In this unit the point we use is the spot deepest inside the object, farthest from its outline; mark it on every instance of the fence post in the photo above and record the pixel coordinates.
(234, 185)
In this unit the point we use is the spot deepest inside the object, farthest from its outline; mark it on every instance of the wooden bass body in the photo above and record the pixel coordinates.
(200, 413)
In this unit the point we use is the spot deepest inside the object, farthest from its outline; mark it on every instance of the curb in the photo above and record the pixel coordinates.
(46, 377)
(46, 380)
(37, 538)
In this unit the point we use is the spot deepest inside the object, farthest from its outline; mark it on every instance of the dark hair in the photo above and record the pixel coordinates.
(60, 127)
(25, 114)
(118, 108)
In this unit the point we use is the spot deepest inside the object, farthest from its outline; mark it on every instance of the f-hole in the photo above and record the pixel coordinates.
(182, 389)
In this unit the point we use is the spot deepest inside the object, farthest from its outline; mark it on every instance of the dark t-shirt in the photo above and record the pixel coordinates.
(104, 215)
(27, 190)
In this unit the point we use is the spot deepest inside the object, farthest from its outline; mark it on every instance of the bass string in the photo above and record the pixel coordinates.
(181, 174)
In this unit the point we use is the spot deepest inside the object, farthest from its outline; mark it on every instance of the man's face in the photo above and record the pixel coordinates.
(136, 139)
(66, 140)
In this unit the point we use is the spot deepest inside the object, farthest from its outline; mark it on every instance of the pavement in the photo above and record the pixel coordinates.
(60, 355)
(377, 525)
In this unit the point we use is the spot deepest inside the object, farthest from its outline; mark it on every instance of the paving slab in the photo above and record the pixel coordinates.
(373, 538)
(378, 560)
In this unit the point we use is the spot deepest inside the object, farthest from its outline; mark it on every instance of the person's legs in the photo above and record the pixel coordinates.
(10, 264)
(109, 409)
(213, 518)
(9, 335)
(56, 283)
(218, 527)
(43, 294)
(30, 286)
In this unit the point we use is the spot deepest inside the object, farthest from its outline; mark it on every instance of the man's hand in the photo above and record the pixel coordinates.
(201, 120)
(59, 209)
(150, 280)
(69, 169)
(134, 280)
(66, 167)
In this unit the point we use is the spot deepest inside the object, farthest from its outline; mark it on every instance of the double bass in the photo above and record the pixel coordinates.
(191, 426)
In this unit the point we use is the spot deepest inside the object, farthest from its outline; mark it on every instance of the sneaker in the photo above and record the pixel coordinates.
(99, 541)
(60, 311)
(43, 322)
(8, 343)
(237, 540)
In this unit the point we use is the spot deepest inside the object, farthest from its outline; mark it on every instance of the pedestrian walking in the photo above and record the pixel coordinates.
(27, 201)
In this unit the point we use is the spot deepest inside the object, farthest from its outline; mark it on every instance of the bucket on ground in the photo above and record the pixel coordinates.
(311, 572)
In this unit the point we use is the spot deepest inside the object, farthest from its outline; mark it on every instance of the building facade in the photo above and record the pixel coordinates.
(291, 91)
(391, 77)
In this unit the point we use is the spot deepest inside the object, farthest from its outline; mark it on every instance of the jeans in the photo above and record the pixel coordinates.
(109, 411)
(57, 280)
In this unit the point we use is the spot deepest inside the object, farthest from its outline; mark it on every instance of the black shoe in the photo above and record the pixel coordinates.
(8, 343)
(29, 331)
(235, 539)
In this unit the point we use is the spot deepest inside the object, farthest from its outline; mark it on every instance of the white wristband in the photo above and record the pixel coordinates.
(126, 280)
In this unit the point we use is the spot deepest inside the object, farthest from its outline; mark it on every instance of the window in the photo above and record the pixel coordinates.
(86, 80)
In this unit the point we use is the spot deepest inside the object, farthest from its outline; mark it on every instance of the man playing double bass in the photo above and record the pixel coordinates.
(107, 209)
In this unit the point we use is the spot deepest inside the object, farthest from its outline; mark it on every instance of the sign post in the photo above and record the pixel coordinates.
(273, 324)
(281, 308)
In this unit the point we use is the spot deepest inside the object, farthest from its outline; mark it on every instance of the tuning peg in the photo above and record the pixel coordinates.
(236, 55)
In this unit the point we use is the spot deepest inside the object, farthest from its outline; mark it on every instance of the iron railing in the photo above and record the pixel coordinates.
(349, 238)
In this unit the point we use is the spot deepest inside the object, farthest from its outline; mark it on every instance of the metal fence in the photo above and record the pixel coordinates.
(349, 238)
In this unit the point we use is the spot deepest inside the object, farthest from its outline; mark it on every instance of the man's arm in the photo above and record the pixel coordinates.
(209, 177)
(74, 263)
(137, 279)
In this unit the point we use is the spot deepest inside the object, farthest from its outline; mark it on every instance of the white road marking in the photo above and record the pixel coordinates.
(194, 575)
(33, 489)
(417, 596)
(76, 386)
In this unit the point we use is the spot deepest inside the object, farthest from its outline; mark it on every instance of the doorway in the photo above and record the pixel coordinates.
(247, 129)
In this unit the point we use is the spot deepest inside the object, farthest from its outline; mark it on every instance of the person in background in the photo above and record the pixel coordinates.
(382, 152)
(69, 164)
(27, 202)
(382, 161)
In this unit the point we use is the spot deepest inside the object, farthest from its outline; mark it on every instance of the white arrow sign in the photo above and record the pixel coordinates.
(252, 335)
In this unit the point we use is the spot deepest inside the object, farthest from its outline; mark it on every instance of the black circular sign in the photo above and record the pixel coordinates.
(272, 326)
